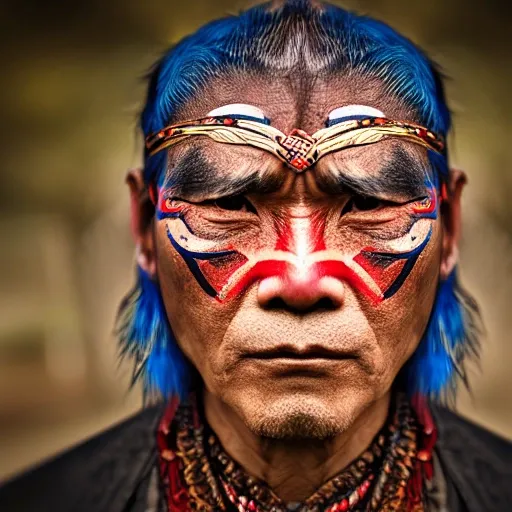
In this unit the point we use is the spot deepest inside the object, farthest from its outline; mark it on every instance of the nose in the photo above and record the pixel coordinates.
(302, 290)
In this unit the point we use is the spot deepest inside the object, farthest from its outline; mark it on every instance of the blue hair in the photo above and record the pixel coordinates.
(338, 41)
(146, 336)
(325, 40)
(450, 338)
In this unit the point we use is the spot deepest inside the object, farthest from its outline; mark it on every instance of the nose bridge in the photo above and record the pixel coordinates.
(300, 225)
(302, 285)
(301, 232)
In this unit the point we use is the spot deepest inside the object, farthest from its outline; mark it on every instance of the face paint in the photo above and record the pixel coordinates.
(240, 111)
(224, 269)
(350, 112)
(389, 269)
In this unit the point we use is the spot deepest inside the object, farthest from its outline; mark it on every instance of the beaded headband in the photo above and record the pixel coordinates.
(298, 149)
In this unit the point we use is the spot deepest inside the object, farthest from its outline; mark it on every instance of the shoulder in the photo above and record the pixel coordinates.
(99, 474)
(466, 439)
(477, 461)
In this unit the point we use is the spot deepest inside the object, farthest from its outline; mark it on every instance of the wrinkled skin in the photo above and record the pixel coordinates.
(295, 356)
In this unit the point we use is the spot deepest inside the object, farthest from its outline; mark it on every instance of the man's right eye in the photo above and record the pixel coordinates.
(237, 203)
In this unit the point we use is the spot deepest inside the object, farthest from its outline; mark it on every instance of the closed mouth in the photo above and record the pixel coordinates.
(302, 355)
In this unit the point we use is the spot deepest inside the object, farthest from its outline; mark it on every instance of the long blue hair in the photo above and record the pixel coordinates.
(290, 39)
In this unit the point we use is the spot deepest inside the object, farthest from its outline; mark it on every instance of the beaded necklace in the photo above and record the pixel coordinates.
(199, 476)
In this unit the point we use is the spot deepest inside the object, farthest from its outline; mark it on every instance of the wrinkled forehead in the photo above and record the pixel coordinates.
(289, 102)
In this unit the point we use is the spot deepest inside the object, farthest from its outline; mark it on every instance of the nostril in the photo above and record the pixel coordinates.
(277, 304)
(294, 293)
(327, 304)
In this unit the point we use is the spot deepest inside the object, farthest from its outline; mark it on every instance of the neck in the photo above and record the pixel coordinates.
(293, 469)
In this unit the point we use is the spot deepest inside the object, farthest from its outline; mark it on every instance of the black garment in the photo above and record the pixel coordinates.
(115, 471)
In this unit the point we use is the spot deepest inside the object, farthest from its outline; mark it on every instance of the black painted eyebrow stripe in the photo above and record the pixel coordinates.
(402, 175)
(195, 177)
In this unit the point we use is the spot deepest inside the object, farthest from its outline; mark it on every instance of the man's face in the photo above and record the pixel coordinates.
(327, 277)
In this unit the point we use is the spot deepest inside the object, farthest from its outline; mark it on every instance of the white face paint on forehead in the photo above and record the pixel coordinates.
(239, 109)
(340, 114)
(336, 116)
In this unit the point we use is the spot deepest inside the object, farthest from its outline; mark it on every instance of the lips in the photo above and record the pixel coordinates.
(305, 354)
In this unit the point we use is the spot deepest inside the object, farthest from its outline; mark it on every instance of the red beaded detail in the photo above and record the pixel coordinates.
(297, 145)
(170, 465)
(197, 478)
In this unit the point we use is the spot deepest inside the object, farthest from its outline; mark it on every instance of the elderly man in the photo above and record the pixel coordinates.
(297, 304)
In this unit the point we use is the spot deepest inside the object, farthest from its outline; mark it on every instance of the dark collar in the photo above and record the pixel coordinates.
(103, 474)
(476, 462)
(111, 472)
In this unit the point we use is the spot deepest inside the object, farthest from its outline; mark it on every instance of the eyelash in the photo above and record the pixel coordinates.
(235, 203)
(365, 204)
(357, 203)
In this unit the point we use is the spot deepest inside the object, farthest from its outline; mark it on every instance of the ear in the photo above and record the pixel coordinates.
(142, 214)
(451, 220)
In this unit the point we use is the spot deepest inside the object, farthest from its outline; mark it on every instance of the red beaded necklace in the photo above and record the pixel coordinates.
(389, 476)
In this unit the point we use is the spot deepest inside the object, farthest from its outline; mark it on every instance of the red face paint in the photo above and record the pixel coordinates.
(225, 270)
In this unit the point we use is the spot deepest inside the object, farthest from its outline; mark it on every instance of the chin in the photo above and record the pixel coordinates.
(296, 417)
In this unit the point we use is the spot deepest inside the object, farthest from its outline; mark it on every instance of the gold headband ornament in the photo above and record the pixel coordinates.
(298, 149)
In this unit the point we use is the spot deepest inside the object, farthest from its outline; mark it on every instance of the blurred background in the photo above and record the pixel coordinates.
(73, 84)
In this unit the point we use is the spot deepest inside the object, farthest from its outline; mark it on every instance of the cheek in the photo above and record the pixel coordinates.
(399, 322)
(198, 322)
(205, 329)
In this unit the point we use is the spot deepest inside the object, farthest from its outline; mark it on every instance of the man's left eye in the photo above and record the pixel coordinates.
(237, 203)
(359, 203)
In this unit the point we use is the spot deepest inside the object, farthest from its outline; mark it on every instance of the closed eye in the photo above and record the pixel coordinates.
(237, 203)
(234, 203)
(360, 203)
